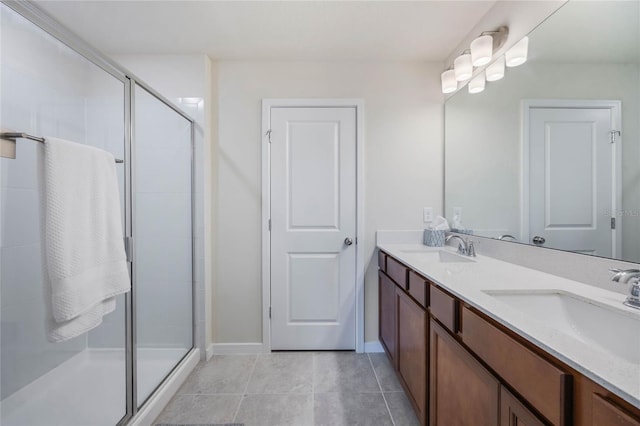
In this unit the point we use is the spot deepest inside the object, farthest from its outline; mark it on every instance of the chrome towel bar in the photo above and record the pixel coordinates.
(10, 138)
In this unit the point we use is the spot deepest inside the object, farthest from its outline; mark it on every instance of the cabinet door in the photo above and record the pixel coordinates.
(461, 391)
(605, 413)
(412, 352)
(514, 413)
(387, 312)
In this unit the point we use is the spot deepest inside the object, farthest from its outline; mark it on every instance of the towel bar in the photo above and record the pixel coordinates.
(8, 143)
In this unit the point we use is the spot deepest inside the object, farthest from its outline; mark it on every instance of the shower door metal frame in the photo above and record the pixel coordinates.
(41, 19)
(133, 83)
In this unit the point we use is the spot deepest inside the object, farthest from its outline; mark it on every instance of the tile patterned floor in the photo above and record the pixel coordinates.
(292, 388)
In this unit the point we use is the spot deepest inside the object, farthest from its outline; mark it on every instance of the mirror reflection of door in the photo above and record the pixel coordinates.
(572, 165)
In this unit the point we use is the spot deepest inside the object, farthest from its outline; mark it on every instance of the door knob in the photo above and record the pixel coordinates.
(348, 241)
(537, 240)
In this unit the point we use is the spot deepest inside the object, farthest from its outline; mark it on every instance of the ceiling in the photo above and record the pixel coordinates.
(274, 30)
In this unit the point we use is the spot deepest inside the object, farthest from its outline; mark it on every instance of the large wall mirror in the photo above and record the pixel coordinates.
(550, 154)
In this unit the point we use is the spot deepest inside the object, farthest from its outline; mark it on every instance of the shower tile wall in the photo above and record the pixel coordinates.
(46, 90)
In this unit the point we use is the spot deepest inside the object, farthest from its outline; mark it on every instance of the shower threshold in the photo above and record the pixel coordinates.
(87, 389)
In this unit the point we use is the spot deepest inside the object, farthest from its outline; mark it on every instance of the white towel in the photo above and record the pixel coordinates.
(84, 247)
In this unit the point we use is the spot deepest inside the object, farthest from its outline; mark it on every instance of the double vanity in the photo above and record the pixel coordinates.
(480, 341)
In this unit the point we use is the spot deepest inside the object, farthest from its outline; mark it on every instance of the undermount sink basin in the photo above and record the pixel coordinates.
(440, 256)
(614, 331)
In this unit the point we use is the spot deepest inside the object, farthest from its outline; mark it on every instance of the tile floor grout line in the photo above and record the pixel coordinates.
(381, 391)
(246, 387)
(313, 389)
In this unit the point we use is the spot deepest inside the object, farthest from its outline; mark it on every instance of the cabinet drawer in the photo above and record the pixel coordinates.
(382, 261)
(418, 289)
(444, 308)
(607, 414)
(544, 386)
(397, 271)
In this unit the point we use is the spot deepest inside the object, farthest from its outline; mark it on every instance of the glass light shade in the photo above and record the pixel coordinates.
(517, 55)
(463, 67)
(481, 50)
(495, 71)
(477, 84)
(449, 82)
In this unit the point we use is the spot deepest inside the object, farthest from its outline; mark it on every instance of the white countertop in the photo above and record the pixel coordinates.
(469, 281)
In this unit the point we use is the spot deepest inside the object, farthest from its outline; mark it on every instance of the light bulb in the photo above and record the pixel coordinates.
(517, 55)
(476, 85)
(495, 71)
(449, 82)
(463, 67)
(481, 50)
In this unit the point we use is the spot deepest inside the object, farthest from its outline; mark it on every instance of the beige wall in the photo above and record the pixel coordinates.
(403, 168)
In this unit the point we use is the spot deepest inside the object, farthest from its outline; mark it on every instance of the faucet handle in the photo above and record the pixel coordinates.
(471, 249)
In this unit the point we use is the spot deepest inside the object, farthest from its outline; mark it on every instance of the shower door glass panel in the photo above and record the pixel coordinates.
(163, 240)
(47, 89)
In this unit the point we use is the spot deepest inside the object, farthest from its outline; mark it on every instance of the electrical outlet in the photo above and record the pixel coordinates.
(427, 214)
(457, 213)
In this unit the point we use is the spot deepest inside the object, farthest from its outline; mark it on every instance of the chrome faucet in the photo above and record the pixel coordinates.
(465, 247)
(631, 276)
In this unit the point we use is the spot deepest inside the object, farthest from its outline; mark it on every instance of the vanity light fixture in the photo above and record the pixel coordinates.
(517, 55)
(476, 85)
(495, 71)
(479, 54)
(449, 82)
(463, 67)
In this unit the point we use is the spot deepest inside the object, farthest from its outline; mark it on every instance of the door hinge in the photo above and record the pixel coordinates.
(269, 224)
(128, 248)
(268, 134)
(613, 134)
(613, 223)
(269, 311)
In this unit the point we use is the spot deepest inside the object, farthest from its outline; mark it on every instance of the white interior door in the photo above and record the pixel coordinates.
(571, 179)
(313, 214)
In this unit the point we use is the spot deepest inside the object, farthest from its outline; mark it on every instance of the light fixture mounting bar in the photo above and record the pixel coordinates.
(499, 36)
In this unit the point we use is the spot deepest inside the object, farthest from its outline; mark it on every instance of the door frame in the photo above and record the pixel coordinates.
(615, 107)
(267, 105)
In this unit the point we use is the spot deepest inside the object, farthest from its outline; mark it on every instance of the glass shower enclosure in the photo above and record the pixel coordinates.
(52, 84)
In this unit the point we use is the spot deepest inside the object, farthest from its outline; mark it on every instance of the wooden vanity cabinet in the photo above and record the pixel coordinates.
(403, 326)
(514, 413)
(460, 367)
(462, 391)
(412, 351)
(545, 386)
(606, 413)
(387, 315)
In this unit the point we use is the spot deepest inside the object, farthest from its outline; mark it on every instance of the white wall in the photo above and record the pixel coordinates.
(188, 81)
(403, 157)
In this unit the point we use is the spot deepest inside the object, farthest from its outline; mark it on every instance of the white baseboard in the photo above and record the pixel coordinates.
(209, 352)
(156, 403)
(235, 348)
(373, 347)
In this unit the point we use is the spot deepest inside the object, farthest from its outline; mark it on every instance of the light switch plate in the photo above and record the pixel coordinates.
(427, 214)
